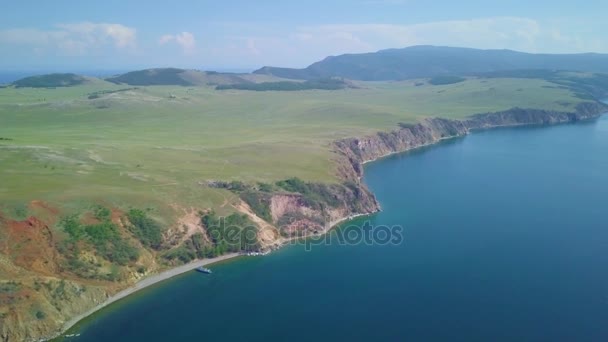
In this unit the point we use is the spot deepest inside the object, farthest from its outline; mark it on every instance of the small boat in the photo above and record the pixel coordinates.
(203, 270)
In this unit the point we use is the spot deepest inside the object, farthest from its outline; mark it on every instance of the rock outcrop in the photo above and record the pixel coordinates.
(319, 208)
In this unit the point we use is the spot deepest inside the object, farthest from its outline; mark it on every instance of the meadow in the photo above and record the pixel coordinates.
(152, 146)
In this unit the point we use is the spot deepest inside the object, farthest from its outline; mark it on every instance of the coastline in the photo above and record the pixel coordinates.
(144, 283)
(328, 228)
(359, 151)
(173, 272)
(431, 140)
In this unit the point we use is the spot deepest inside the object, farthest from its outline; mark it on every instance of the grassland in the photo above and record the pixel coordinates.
(150, 146)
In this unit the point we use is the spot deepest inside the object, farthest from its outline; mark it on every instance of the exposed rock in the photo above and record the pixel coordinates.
(281, 204)
(356, 151)
(316, 211)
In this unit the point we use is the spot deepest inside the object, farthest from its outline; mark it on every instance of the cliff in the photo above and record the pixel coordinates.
(300, 214)
(355, 151)
(298, 208)
(293, 207)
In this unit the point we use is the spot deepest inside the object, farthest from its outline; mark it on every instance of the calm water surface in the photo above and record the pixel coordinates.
(506, 239)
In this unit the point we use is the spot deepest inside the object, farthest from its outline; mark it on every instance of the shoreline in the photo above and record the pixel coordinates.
(479, 129)
(332, 224)
(144, 283)
(173, 272)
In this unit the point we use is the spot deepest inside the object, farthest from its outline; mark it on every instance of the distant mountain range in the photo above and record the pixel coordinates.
(443, 65)
(430, 61)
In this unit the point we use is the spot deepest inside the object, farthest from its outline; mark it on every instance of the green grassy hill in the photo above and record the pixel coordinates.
(50, 81)
(151, 145)
(182, 77)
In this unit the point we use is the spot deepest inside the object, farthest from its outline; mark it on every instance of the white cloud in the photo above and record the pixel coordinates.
(303, 45)
(164, 39)
(504, 32)
(72, 39)
(185, 40)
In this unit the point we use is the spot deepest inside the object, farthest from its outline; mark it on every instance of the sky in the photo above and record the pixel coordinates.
(64, 35)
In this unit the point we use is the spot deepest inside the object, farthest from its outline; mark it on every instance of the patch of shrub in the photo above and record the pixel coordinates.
(10, 287)
(102, 213)
(293, 185)
(315, 195)
(105, 237)
(259, 203)
(21, 211)
(147, 230)
(232, 233)
(193, 248)
(265, 187)
(183, 253)
(40, 315)
(72, 227)
(108, 243)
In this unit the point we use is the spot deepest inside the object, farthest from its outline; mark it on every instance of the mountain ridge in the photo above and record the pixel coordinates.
(423, 61)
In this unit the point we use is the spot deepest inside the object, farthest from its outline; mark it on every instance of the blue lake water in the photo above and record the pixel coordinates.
(505, 239)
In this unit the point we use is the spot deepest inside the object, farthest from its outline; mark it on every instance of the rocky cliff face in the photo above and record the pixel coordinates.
(293, 213)
(319, 208)
(356, 151)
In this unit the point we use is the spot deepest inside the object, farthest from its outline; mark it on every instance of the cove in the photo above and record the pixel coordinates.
(505, 238)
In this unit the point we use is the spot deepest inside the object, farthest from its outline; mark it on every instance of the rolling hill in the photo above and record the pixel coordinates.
(430, 61)
(174, 76)
(50, 81)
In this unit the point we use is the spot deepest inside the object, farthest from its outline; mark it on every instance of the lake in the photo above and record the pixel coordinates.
(505, 238)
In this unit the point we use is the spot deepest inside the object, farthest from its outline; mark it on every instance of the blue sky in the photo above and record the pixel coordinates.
(247, 34)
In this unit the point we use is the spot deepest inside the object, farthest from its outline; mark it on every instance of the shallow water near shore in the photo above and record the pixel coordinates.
(505, 238)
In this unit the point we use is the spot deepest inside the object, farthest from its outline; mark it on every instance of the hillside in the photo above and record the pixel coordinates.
(320, 84)
(430, 61)
(50, 81)
(181, 77)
